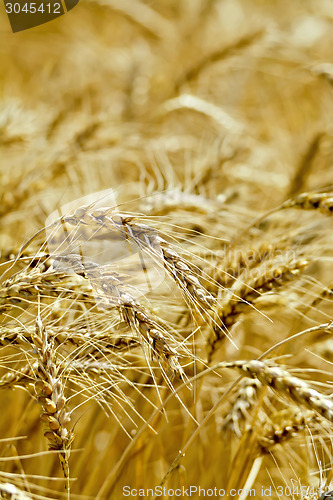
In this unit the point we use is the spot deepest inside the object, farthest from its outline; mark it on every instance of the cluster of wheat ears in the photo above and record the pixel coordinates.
(166, 278)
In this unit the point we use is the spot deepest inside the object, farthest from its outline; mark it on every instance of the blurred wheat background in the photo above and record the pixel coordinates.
(210, 123)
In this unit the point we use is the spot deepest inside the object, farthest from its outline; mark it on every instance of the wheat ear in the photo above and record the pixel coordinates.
(322, 202)
(149, 241)
(244, 293)
(312, 201)
(28, 285)
(49, 388)
(111, 292)
(280, 379)
(242, 403)
(287, 424)
(226, 269)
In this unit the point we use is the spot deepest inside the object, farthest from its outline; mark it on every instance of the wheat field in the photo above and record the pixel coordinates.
(166, 263)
